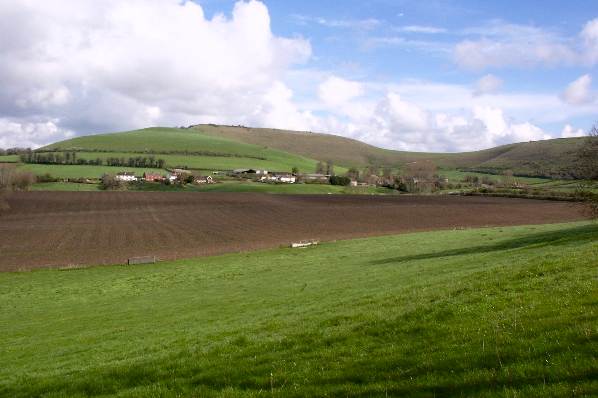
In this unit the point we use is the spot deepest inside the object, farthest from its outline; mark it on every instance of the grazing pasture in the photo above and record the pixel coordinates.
(495, 312)
(74, 228)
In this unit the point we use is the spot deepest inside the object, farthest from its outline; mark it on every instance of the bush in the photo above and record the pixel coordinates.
(340, 180)
(109, 182)
(47, 178)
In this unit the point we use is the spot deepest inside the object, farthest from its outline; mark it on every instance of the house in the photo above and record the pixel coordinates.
(203, 180)
(279, 177)
(152, 177)
(353, 183)
(126, 176)
(286, 178)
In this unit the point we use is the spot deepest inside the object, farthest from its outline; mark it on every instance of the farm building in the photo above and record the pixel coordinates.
(126, 176)
(152, 177)
(249, 172)
(203, 180)
(279, 177)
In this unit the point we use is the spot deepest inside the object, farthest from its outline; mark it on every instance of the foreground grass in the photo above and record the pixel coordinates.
(499, 312)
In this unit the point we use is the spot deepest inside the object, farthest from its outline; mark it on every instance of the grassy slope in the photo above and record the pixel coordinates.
(550, 155)
(171, 139)
(275, 161)
(499, 312)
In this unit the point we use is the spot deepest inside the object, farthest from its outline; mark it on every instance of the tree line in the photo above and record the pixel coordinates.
(71, 158)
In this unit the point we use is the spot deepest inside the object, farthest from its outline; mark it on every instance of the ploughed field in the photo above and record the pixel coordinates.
(44, 229)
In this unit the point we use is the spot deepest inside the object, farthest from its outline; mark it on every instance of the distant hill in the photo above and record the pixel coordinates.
(284, 149)
(538, 158)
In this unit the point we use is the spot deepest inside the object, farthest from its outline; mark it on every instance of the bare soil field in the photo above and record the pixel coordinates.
(56, 229)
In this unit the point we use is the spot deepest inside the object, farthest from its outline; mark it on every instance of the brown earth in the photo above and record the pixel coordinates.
(45, 229)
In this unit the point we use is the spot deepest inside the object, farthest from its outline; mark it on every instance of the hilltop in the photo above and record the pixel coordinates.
(226, 147)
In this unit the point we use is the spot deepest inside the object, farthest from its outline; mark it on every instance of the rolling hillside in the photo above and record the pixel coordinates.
(229, 147)
(550, 157)
(184, 147)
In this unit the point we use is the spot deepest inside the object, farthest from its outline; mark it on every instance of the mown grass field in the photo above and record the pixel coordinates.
(64, 186)
(80, 171)
(9, 158)
(500, 312)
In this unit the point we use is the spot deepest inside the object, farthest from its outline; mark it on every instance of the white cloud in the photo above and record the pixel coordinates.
(125, 64)
(569, 132)
(336, 91)
(401, 124)
(487, 84)
(502, 45)
(579, 91)
(365, 24)
(589, 35)
(24, 135)
(420, 29)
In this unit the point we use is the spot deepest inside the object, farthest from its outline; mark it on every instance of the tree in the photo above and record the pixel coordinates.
(588, 169)
(420, 176)
(320, 168)
(295, 170)
(340, 180)
(109, 182)
(329, 168)
(353, 173)
(507, 179)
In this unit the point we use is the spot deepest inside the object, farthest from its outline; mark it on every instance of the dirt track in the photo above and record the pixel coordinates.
(72, 228)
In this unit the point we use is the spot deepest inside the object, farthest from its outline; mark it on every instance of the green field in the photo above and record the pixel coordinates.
(275, 161)
(164, 140)
(77, 171)
(64, 186)
(9, 158)
(498, 312)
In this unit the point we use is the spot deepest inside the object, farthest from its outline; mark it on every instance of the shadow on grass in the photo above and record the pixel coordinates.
(579, 235)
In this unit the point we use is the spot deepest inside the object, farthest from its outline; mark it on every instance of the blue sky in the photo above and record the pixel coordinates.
(413, 75)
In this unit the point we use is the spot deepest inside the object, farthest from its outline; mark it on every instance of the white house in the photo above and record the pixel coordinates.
(126, 176)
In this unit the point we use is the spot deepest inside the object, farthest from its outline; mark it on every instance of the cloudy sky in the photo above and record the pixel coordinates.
(403, 74)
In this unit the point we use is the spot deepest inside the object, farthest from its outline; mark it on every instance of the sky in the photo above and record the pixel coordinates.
(434, 75)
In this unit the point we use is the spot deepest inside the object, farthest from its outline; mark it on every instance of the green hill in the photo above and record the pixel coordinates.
(541, 158)
(499, 312)
(229, 147)
(187, 147)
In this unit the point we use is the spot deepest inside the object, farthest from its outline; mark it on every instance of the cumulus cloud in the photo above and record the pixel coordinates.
(116, 64)
(487, 84)
(569, 132)
(401, 124)
(28, 135)
(336, 91)
(501, 44)
(579, 91)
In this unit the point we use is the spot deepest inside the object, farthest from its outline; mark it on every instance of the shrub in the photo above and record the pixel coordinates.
(340, 180)
(109, 182)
